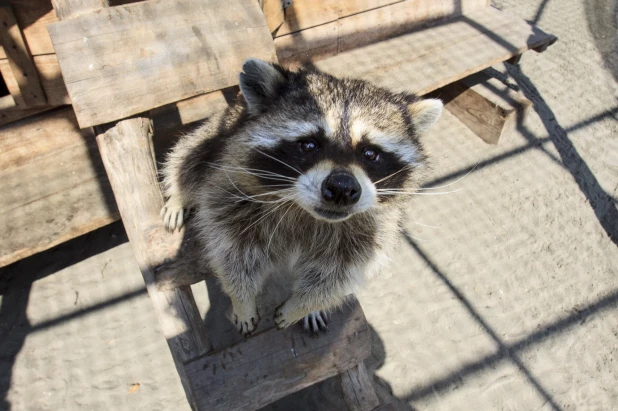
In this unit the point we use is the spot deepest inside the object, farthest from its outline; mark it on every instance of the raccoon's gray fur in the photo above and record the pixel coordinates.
(306, 173)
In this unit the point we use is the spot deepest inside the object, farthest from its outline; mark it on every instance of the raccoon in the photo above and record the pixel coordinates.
(306, 173)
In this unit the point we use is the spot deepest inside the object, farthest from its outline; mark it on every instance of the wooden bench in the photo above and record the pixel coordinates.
(128, 65)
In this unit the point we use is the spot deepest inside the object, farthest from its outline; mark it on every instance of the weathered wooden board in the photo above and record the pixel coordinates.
(68, 9)
(355, 30)
(273, 364)
(273, 12)
(126, 150)
(49, 75)
(428, 59)
(64, 191)
(33, 17)
(29, 90)
(10, 112)
(53, 182)
(358, 390)
(303, 14)
(315, 43)
(128, 59)
(485, 105)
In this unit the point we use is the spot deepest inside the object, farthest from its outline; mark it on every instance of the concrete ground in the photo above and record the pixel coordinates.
(511, 304)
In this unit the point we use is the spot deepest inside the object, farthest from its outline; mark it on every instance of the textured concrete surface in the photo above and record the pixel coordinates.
(510, 304)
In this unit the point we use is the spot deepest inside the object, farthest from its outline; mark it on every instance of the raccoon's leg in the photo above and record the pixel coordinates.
(318, 289)
(176, 189)
(242, 284)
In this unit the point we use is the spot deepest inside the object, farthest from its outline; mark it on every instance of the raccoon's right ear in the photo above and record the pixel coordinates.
(424, 113)
(259, 82)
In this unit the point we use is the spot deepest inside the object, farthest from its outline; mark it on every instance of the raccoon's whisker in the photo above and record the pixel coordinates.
(246, 196)
(280, 161)
(267, 194)
(454, 182)
(274, 208)
(416, 238)
(244, 170)
(277, 226)
(425, 225)
(264, 174)
(387, 177)
(261, 173)
(414, 193)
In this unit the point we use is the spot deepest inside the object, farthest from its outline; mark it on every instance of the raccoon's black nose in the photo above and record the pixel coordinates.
(341, 188)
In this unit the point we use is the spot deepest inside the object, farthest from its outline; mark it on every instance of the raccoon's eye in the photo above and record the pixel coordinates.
(371, 155)
(307, 146)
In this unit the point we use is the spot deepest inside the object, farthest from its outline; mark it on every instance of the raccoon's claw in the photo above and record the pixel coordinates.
(315, 322)
(172, 214)
(247, 326)
(286, 315)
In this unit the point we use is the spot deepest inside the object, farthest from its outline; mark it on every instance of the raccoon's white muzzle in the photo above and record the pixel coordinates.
(333, 193)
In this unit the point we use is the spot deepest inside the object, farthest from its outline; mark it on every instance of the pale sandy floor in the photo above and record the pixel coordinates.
(511, 304)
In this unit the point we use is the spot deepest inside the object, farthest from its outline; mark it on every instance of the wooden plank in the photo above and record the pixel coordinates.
(425, 60)
(11, 83)
(358, 390)
(303, 14)
(53, 182)
(314, 44)
(273, 363)
(49, 74)
(10, 112)
(357, 30)
(129, 59)
(68, 9)
(192, 109)
(273, 12)
(127, 153)
(68, 193)
(33, 17)
(485, 105)
(20, 61)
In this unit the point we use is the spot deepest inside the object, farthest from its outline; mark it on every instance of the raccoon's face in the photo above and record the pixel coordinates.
(337, 147)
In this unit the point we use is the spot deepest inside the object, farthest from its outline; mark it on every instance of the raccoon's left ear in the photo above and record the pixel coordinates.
(259, 82)
(424, 113)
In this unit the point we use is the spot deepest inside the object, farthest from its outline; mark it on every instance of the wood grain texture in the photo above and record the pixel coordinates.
(53, 182)
(357, 30)
(129, 59)
(49, 75)
(10, 112)
(273, 364)
(68, 9)
(273, 12)
(20, 61)
(303, 14)
(127, 155)
(485, 105)
(425, 60)
(67, 192)
(358, 391)
(33, 17)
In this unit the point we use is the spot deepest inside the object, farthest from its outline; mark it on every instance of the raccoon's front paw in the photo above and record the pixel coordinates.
(172, 214)
(246, 320)
(288, 314)
(315, 322)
